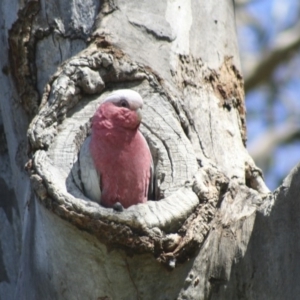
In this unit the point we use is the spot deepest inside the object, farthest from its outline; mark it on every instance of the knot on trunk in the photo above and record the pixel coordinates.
(174, 226)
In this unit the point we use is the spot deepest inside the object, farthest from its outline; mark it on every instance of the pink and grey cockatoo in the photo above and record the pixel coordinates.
(115, 161)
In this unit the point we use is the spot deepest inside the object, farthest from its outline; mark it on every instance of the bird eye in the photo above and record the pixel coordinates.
(124, 103)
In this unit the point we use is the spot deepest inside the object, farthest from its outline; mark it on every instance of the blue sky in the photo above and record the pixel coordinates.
(266, 107)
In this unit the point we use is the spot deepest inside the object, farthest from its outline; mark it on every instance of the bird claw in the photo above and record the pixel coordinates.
(118, 207)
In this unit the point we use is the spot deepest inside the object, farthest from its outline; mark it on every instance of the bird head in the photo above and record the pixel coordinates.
(121, 108)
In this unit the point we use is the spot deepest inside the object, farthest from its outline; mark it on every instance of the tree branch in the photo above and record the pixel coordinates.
(286, 45)
(271, 138)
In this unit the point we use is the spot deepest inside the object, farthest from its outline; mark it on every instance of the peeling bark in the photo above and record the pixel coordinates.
(21, 44)
(229, 88)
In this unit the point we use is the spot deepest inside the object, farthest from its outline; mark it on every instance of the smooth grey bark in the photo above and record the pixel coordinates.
(270, 267)
(206, 237)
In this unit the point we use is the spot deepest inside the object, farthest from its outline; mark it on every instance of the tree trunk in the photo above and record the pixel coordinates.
(213, 232)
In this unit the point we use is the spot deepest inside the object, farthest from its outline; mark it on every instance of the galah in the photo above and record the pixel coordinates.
(115, 161)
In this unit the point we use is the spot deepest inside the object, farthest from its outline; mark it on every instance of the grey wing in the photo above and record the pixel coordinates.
(151, 188)
(90, 178)
(151, 185)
